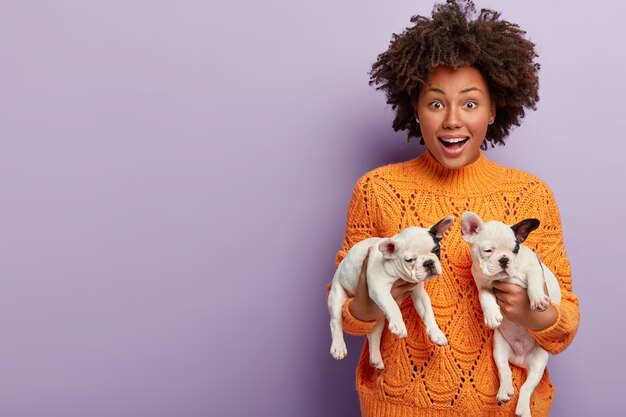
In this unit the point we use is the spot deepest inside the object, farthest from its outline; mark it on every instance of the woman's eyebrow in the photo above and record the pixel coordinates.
(470, 89)
(465, 90)
(436, 90)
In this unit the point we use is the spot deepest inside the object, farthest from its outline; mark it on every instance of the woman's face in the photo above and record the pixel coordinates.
(454, 110)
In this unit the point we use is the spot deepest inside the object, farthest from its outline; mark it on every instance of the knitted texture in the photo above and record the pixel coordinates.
(460, 379)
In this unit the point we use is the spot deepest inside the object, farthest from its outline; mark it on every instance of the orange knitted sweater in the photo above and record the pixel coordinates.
(460, 379)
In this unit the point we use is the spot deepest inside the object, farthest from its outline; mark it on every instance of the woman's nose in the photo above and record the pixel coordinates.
(452, 119)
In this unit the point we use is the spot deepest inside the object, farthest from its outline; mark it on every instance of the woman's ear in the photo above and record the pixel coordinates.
(414, 105)
(492, 114)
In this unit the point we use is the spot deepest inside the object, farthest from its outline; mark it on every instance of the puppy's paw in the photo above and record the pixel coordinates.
(376, 361)
(338, 349)
(493, 318)
(540, 303)
(505, 393)
(398, 328)
(522, 410)
(437, 337)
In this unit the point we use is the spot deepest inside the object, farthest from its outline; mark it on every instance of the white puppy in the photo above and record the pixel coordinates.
(412, 255)
(498, 256)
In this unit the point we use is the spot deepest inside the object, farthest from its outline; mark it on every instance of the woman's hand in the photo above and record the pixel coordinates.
(363, 308)
(515, 306)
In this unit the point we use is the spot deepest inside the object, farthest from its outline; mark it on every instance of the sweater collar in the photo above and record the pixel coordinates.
(479, 177)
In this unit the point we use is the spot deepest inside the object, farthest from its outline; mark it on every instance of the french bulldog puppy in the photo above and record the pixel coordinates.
(498, 255)
(412, 255)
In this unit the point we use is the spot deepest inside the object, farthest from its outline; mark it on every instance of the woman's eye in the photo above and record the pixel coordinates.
(436, 105)
(410, 260)
(471, 105)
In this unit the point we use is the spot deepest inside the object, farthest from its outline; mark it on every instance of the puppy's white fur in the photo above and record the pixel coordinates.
(408, 256)
(494, 259)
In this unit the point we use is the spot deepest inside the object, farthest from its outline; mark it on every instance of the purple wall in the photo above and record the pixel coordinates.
(175, 177)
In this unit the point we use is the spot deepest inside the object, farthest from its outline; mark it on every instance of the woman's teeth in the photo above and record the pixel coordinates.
(452, 141)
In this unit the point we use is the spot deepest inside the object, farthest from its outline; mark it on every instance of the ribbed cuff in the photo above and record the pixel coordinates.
(556, 337)
(352, 325)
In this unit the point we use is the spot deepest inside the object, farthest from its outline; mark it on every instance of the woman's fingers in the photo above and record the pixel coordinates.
(401, 289)
(400, 299)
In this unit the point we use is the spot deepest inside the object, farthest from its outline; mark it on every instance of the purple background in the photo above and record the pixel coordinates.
(175, 177)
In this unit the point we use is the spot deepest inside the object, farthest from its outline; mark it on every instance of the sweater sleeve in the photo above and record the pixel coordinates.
(558, 336)
(359, 226)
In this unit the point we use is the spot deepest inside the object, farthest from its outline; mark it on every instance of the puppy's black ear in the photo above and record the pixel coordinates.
(523, 228)
(438, 229)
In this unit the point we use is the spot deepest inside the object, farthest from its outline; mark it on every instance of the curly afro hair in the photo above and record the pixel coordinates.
(454, 38)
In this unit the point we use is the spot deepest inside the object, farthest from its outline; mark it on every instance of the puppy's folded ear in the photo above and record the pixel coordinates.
(471, 224)
(523, 228)
(388, 247)
(441, 227)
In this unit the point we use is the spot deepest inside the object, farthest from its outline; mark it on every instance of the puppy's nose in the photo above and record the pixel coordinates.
(429, 264)
(504, 262)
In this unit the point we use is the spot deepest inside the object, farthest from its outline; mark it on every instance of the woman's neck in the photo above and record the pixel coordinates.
(477, 177)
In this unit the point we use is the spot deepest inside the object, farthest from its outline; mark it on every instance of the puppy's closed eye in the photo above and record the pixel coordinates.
(410, 260)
